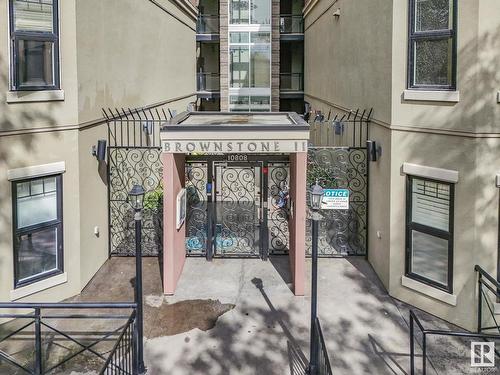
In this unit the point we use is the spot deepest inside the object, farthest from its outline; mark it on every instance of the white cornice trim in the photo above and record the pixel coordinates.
(447, 175)
(36, 171)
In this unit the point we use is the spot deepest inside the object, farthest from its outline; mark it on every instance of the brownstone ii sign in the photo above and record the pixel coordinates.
(235, 146)
(202, 132)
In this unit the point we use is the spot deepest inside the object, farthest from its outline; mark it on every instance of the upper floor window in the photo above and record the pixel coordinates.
(37, 215)
(429, 232)
(255, 12)
(34, 44)
(432, 45)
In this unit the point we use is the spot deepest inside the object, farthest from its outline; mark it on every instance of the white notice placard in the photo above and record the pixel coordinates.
(335, 199)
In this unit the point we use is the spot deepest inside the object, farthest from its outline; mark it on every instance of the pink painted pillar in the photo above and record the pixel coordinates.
(174, 251)
(297, 223)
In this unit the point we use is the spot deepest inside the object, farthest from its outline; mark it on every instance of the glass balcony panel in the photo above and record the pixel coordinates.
(290, 24)
(207, 24)
(291, 82)
(208, 82)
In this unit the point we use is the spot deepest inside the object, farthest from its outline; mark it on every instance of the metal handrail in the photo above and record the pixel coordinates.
(110, 365)
(323, 359)
(38, 322)
(486, 280)
(490, 278)
(414, 320)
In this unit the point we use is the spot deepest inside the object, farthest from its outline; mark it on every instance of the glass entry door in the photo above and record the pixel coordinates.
(237, 212)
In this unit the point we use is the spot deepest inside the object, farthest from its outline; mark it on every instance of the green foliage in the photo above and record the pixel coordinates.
(153, 200)
(324, 175)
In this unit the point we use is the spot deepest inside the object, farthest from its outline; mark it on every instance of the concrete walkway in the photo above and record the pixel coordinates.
(267, 331)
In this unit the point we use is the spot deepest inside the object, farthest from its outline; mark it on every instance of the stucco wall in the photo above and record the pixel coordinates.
(478, 75)
(146, 54)
(28, 150)
(113, 54)
(348, 59)
(18, 116)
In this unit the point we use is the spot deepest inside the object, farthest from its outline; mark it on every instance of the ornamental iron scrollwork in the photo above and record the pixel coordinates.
(237, 229)
(277, 216)
(197, 208)
(129, 166)
(341, 232)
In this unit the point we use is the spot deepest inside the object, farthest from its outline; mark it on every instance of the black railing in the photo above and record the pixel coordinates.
(291, 82)
(489, 294)
(28, 337)
(291, 24)
(425, 333)
(207, 24)
(121, 360)
(322, 360)
(208, 82)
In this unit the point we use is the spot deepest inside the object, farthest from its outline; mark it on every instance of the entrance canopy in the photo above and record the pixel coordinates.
(233, 198)
(213, 132)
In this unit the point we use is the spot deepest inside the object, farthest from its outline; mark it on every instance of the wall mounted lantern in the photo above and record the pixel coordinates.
(99, 150)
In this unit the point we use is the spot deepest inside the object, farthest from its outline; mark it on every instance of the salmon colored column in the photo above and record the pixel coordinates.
(174, 251)
(297, 223)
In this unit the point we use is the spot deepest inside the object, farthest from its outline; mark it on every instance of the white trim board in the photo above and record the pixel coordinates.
(36, 171)
(432, 96)
(38, 286)
(440, 174)
(450, 299)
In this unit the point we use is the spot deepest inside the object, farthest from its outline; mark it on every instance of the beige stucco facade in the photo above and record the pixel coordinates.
(360, 61)
(113, 54)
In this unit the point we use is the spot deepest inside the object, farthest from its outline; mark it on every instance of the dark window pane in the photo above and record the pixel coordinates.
(34, 15)
(433, 15)
(431, 204)
(35, 63)
(37, 253)
(433, 62)
(239, 12)
(429, 257)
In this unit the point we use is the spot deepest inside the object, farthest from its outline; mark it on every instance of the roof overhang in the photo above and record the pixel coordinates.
(222, 132)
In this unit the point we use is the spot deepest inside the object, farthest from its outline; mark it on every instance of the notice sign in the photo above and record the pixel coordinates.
(335, 199)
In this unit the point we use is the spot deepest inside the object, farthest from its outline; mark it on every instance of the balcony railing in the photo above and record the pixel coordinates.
(207, 24)
(208, 82)
(65, 337)
(291, 24)
(291, 82)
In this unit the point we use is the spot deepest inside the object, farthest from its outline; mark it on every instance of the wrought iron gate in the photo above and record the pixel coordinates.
(134, 157)
(339, 159)
(236, 210)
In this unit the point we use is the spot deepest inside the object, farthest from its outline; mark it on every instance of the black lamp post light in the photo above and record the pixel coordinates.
(315, 199)
(136, 200)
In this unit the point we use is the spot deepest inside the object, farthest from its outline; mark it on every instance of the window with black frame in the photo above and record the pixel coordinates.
(34, 44)
(429, 237)
(432, 45)
(38, 237)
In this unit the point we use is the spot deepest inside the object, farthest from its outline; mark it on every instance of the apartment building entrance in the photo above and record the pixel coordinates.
(237, 205)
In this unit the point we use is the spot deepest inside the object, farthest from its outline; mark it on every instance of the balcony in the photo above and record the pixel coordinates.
(292, 82)
(207, 27)
(291, 26)
(208, 84)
